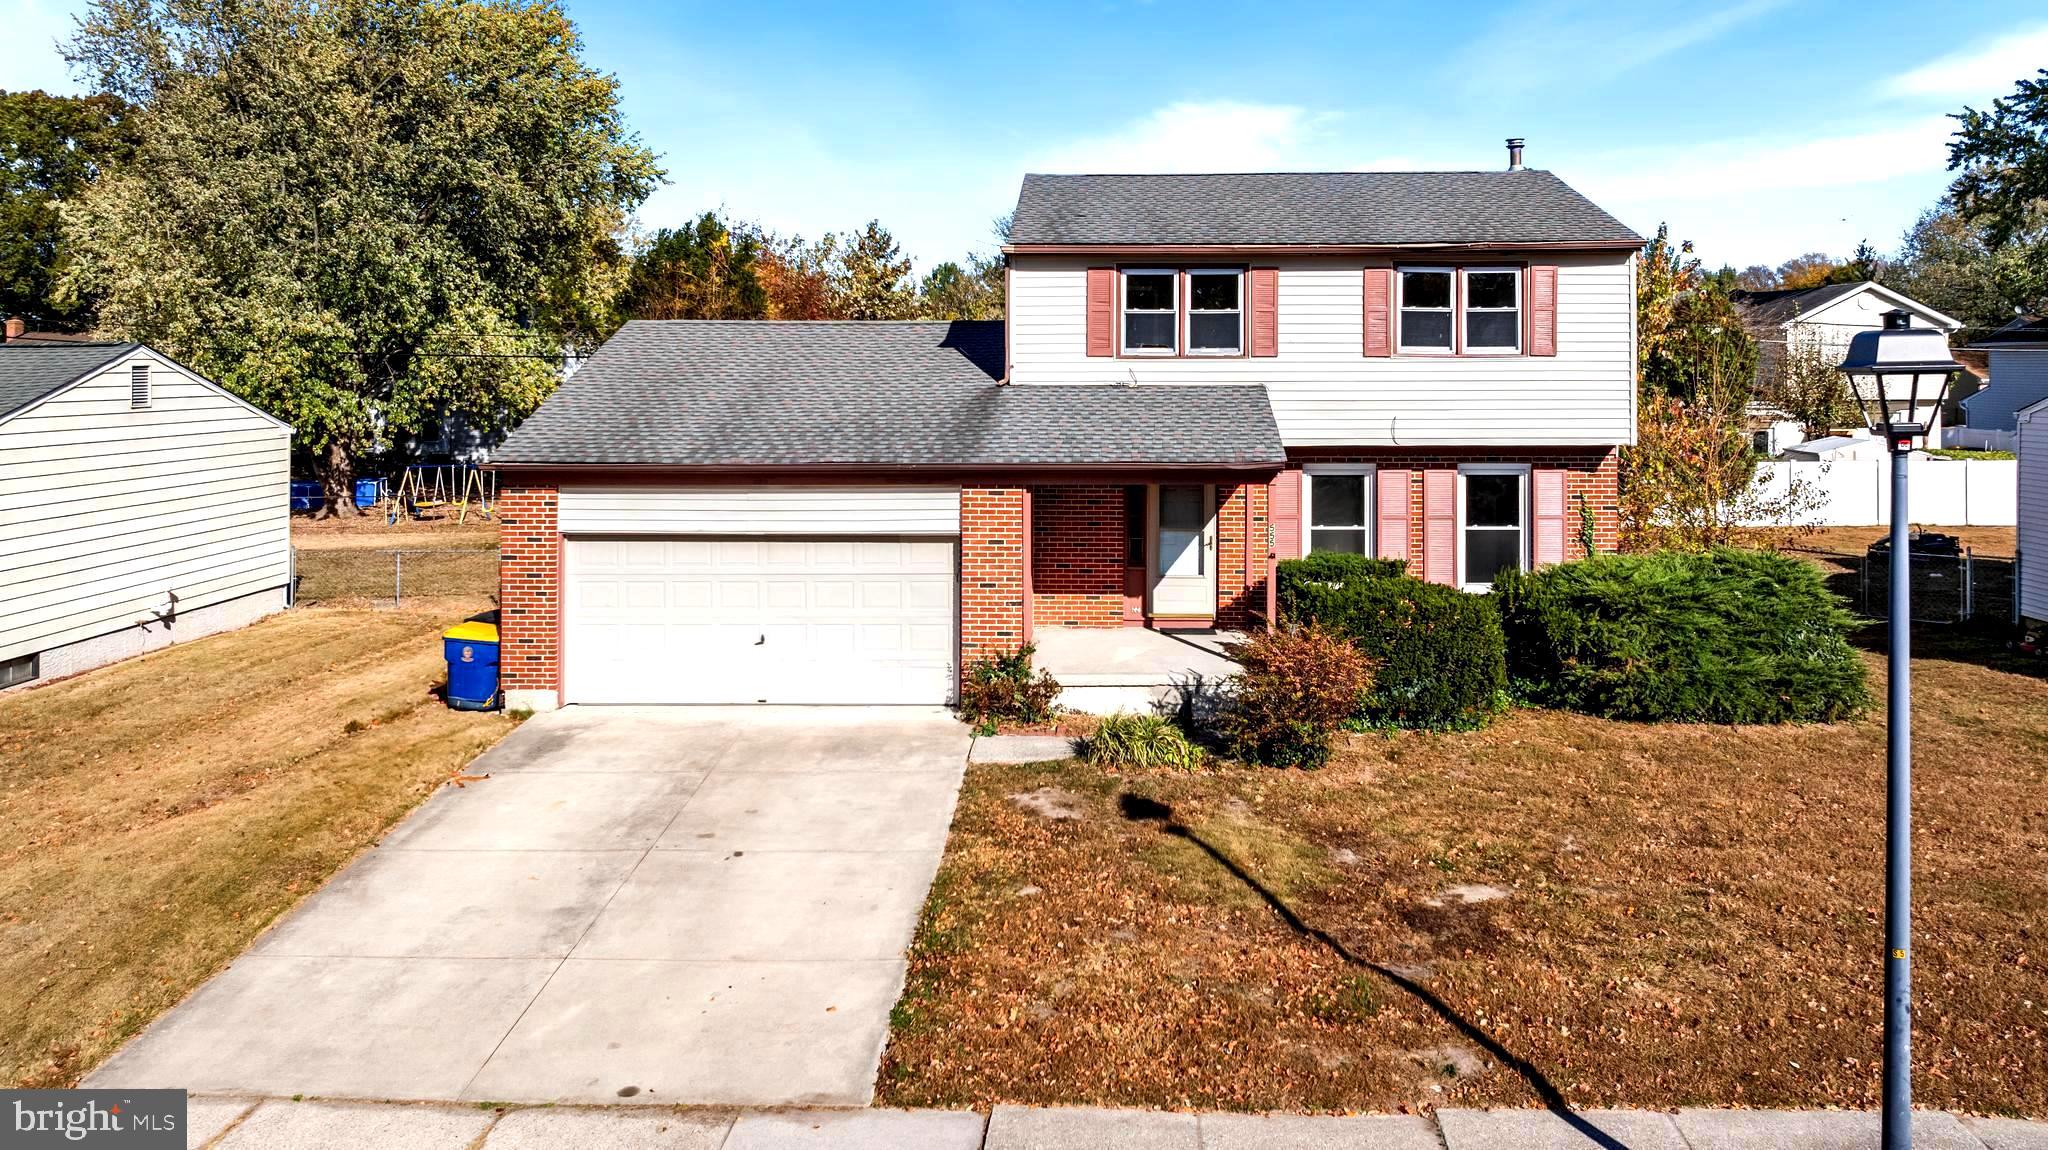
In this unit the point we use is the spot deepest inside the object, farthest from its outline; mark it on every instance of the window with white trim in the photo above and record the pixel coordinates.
(1493, 310)
(1493, 522)
(1336, 508)
(1151, 312)
(1215, 312)
(1426, 311)
(138, 386)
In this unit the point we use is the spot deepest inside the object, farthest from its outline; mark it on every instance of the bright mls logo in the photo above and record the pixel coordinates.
(116, 1119)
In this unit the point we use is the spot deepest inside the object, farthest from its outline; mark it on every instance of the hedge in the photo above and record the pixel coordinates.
(1440, 660)
(1721, 636)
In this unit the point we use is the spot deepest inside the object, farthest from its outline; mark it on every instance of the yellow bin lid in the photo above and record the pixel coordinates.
(472, 632)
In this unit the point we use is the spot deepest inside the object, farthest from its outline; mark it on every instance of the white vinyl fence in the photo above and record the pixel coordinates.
(1858, 492)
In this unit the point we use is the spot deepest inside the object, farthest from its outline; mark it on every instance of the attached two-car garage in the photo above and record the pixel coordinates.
(793, 594)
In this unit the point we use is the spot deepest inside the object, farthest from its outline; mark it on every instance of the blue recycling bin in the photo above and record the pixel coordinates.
(472, 653)
(306, 495)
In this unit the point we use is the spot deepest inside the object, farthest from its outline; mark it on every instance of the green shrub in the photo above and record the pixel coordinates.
(1294, 688)
(1002, 689)
(1141, 741)
(1439, 660)
(1720, 636)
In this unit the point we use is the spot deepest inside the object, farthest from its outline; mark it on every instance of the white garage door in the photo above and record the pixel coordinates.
(702, 619)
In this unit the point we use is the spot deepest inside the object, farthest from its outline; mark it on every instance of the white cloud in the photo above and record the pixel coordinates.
(1522, 51)
(1218, 136)
(1986, 69)
(1746, 167)
(28, 51)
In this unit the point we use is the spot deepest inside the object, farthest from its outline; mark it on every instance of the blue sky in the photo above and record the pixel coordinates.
(1758, 128)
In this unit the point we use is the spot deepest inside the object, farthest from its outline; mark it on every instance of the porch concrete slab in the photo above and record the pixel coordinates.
(2008, 1133)
(766, 906)
(825, 810)
(1814, 1130)
(1306, 1132)
(858, 1130)
(406, 1028)
(483, 904)
(1021, 749)
(1548, 1130)
(206, 1117)
(1132, 656)
(712, 1033)
(283, 1125)
(631, 739)
(549, 811)
(1088, 1128)
(612, 1129)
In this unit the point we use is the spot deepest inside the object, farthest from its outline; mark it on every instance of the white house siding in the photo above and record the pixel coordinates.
(2019, 378)
(1325, 392)
(2033, 512)
(107, 511)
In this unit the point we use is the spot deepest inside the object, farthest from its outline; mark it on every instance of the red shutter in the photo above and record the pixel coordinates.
(1101, 311)
(1379, 311)
(1549, 500)
(1543, 309)
(1284, 500)
(1392, 524)
(1263, 288)
(1440, 525)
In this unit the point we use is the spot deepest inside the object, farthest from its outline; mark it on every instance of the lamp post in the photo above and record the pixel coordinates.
(1895, 373)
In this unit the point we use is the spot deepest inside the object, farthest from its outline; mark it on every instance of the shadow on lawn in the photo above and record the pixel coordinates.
(1138, 808)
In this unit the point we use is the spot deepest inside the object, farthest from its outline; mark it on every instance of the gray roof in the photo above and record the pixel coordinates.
(30, 371)
(701, 393)
(2026, 331)
(1787, 304)
(1284, 208)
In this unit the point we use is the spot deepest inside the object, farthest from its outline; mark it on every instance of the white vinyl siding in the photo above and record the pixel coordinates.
(2032, 445)
(1325, 392)
(107, 510)
(760, 510)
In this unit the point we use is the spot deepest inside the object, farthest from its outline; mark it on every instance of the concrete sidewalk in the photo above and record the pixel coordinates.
(278, 1124)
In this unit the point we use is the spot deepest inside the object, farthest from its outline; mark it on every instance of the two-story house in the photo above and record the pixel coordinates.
(1199, 375)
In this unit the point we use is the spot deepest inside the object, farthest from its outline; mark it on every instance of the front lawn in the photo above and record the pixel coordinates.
(1557, 906)
(158, 813)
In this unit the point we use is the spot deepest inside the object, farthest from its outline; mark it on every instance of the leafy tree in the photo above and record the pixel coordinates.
(1757, 277)
(51, 147)
(364, 215)
(1691, 342)
(798, 277)
(872, 279)
(1810, 270)
(1947, 264)
(2003, 157)
(704, 271)
(976, 291)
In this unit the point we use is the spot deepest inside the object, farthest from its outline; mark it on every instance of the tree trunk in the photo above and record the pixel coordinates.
(337, 475)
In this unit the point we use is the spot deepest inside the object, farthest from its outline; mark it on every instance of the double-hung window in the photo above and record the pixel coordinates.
(1493, 310)
(1493, 521)
(1426, 311)
(1336, 508)
(1215, 312)
(1151, 312)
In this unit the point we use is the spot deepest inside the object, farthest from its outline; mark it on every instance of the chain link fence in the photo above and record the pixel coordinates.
(1947, 587)
(327, 575)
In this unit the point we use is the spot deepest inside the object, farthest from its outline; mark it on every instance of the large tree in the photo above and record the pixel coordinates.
(364, 215)
(51, 147)
(2002, 189)
(872, 279)
(1946, 263)
(707, 270)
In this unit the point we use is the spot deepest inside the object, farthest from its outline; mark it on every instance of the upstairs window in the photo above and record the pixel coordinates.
(1426, 310)
(1151, 312)
(1215, 312)
(1493, 310)
(138, 386)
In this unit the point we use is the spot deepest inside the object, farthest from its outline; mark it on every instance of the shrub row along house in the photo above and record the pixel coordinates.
(1199, 375)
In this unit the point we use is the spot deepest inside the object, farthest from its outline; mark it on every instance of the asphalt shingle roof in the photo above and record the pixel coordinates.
(2026, 331)
(687, 393)
(30, 371)
(1781, 306)
(1281, 208)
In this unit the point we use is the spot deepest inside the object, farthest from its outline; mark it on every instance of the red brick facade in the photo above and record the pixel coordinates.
(991, 571)
(529, 587)
(1077, 556)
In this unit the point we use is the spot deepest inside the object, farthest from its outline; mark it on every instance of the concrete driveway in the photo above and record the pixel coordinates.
(661, 905)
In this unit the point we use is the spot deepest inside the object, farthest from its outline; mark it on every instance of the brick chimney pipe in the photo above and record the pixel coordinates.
(16, 328)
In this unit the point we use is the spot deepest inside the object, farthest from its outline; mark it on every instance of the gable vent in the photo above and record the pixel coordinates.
(138, 386)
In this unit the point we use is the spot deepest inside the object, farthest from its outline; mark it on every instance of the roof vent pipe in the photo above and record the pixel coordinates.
(1514, 153)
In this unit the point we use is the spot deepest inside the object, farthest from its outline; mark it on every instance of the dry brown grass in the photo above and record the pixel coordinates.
(1692, 917)
(158, 813)
(371, 531)
(1990, 542)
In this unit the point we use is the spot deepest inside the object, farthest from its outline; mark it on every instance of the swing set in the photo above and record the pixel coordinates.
(437, 490)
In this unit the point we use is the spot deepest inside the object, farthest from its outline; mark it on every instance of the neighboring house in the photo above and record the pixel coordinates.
(2031, 541)
(139, 505)
(1200, 375)
(1822, 320)
(2019, 374)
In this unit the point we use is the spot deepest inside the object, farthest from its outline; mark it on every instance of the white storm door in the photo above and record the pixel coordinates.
(1184, 550)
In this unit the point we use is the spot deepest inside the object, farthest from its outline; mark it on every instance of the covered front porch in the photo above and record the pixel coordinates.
(1103, 670)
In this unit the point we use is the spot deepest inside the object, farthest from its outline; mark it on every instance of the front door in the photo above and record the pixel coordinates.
(1183, 551)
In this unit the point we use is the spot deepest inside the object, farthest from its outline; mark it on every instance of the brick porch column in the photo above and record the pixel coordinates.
(529, 595)
(992, 541)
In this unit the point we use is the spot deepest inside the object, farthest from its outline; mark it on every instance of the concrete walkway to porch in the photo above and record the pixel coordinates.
(1107, 669)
